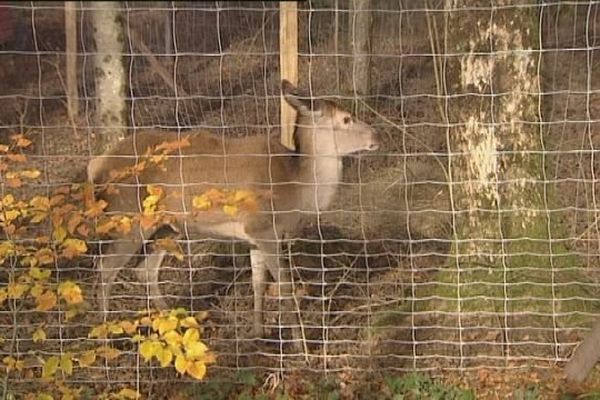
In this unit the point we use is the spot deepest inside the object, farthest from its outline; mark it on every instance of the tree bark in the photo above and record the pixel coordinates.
(508, 270)
(110, 77)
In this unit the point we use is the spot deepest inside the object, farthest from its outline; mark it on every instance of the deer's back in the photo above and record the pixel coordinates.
(257, 163)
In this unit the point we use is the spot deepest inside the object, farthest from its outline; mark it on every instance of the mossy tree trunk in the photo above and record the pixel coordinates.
(511, 277)
(109, 74)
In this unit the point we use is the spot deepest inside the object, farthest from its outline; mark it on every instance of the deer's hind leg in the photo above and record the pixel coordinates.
(147, 271)
(113, 257)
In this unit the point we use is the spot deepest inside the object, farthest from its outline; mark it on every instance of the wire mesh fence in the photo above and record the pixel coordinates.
(468, 241)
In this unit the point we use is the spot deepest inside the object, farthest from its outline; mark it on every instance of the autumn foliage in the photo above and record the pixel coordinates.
(43, 232)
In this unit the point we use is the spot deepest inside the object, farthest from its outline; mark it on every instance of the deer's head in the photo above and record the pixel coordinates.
(325, 128)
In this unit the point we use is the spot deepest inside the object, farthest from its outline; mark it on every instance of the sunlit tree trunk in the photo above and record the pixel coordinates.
(507, 265)
(109, 73)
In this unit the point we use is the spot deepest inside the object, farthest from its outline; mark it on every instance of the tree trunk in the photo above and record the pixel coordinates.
(361, 46)
(507, 269)
(110, 78)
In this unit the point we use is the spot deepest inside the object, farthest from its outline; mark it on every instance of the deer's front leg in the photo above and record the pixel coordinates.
(259, 276)
(289, 314)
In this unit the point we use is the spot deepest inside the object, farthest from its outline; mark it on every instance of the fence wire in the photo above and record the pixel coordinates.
(469, 240)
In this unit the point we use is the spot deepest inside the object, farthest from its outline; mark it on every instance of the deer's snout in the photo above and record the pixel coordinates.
(374, 142)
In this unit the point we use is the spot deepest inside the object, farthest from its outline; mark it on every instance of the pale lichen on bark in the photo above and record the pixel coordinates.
(495, 137)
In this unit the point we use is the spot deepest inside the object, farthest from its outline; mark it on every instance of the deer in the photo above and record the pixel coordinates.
(299, 184)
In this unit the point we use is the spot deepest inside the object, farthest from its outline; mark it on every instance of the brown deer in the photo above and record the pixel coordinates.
(299, 183)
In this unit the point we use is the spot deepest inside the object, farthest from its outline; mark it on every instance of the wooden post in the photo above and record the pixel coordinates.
(71, 61)
(288, 60)
(361, 46)
(169, 30)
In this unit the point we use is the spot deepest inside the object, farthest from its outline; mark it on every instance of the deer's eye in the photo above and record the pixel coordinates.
(347, 120)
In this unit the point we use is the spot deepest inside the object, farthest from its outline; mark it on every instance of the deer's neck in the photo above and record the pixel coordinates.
(321, 170)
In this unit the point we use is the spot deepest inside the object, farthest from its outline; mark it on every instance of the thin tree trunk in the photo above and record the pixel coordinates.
(110, 77)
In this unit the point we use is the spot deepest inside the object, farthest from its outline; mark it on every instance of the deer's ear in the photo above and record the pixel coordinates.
(303, 105)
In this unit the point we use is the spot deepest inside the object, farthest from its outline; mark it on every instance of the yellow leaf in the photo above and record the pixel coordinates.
(125, 225)
(66, 364)
(230, 210)
(240, 196)
(9, 361)
(70, 292)
(172, 338)
(45, 256)
(72, 312)
(39, 274)
(109, 353)
(15, 290)
(178, 312)
(50, 367)
(128, 327)
(201, 202)
(147, 321)
(137, 338)
(73, 247)
(59, 234)
(7, 249)
(128, 394)
(191, 335)
(7, 200)
(155, 190)
(106, 226)
(9, 215)
(38, 216)
(40, 203)
(39, 335)
(150, 203)
(30, 173)
(195, 350)
(147, 350)
(189, 322)
(115, 329)
(167, 324)
(37, 290)
(209, 358)
(29, 261)
(44, 396)
(99, 331)
(87, 358)
(165, 356)
(46, 301)
(196, 369)
(181, 364)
